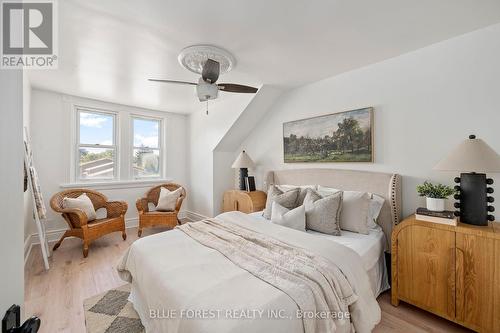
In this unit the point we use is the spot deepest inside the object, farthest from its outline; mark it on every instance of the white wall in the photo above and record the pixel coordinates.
(11, 189)
(28, 202)
(52, 136)
(206, 131)
(223, 156)
(426, 102)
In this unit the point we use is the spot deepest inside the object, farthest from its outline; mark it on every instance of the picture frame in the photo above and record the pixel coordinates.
(250, 183)
(342, 137)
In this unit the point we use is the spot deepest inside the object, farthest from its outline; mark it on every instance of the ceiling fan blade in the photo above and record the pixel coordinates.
(211, 70)
(237, 88)
(174, 81)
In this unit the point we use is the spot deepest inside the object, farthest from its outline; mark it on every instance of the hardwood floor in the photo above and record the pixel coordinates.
(57, 295)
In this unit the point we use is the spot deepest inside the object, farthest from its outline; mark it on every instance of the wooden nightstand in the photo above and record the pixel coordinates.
(451, 271)
(246, 202)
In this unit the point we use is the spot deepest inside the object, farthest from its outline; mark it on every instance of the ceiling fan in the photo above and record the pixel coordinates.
(207, 88)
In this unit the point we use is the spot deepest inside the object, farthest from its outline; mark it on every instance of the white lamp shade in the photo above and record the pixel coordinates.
(243, 161)
(472, 155)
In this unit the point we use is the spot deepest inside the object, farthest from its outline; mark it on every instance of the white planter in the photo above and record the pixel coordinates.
(436, 205)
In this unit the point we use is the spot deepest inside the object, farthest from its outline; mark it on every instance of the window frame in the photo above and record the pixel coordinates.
(115, 146)
(159, 149)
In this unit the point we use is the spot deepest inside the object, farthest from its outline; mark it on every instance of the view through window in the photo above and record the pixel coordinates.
(96, 145)
(146, 147)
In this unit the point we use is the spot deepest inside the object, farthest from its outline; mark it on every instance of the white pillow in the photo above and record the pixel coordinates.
(326, 191)
(357, 211)
(376, 203)
(168, 199)
(84, 203)
(294, 218)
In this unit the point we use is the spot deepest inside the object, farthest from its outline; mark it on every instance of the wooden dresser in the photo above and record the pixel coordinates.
(246, 202)
(451, 271)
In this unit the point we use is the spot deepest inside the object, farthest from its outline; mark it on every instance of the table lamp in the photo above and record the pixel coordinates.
(474, 158)
(243, 162)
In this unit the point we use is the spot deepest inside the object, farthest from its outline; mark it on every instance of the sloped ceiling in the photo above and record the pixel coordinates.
(109, 48)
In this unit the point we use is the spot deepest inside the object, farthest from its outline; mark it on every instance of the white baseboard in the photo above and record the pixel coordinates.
(28, 245)
(55, 234)
(192, 216)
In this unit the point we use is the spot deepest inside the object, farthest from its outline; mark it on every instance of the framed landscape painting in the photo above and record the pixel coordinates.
(338, 137)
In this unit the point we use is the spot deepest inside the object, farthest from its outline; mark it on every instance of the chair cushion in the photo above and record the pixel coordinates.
(83, 203)
(168, 199)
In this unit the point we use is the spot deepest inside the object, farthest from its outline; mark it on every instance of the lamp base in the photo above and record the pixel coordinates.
(243, 175)
(473, 205)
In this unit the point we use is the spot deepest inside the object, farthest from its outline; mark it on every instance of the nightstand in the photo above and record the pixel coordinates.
(246, 202)
(451, 271)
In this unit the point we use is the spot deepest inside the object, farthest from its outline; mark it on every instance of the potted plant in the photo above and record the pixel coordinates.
(435, 195)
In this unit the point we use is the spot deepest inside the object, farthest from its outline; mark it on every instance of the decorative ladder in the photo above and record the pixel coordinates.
(28, 163)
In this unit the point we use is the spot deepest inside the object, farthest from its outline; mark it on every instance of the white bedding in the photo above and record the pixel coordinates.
(172, 272)
(369, 247)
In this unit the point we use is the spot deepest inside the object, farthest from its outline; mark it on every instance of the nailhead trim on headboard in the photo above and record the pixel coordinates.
(395, 205)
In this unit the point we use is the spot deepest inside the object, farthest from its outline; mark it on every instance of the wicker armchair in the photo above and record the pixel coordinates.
(156, 218)
(77, 219)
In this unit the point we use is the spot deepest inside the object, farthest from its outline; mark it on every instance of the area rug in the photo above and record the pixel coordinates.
(111, 312)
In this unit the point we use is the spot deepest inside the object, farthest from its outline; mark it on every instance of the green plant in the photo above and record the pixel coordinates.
(438, 191)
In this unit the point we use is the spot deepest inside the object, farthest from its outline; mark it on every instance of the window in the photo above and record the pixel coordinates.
(96, 151)
(146, 148)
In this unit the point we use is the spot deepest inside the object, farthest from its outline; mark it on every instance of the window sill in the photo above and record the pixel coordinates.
(116, 184)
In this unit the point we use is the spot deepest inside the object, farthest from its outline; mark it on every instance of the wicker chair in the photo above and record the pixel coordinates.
(77, 219)
(156, 218)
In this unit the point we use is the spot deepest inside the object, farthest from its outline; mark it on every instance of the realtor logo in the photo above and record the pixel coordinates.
(29, 34)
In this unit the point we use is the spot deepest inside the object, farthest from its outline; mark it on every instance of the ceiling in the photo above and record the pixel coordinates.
(108, 49)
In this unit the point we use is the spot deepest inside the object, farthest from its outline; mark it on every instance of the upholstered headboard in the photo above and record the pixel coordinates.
(386, 185)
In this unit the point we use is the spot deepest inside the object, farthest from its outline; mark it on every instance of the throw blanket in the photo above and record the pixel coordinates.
(173, 272)
(316, 285)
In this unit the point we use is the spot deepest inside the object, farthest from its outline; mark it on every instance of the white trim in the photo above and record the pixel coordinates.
(193, 217)
(123, 129)
(111, 185)
(28, 245)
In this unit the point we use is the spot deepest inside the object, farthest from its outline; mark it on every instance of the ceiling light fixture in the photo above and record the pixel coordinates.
(194, 57)
(209, 62)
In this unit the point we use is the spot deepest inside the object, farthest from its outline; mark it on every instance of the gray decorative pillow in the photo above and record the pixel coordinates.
(323, 213)
(302, 191)
(290, 218)
(286, 199)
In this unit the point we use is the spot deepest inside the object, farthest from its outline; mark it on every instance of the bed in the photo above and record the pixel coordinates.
(181, 285)
(369, 247)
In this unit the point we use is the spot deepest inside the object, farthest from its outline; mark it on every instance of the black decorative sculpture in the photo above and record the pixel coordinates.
(473, 200)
